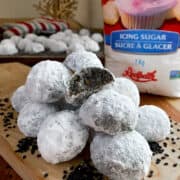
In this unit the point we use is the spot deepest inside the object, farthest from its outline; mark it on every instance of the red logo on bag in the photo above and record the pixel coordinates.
(139, 76)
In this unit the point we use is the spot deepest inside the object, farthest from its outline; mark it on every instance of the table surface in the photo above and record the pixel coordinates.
(9, 82)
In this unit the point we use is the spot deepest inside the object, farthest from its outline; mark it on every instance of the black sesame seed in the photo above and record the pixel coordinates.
(178, 130)
(46, 175)
(156, 148)
(150, 175)
(71, 168)
(65, 176)
(174, 142)
(10, 115)
(34, 148)
(173, 150)
(26, 144)
(175, 165)
(24, 157)
(167, 155)
(65, 172)
(38, 155)
(7, 135)
(165, 144)
(172, 132)
(163, 157)
(165, 164)
(85, 171)
(158, 161)
(6, 100)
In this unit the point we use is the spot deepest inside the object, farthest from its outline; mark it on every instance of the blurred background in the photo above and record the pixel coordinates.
(88, 13)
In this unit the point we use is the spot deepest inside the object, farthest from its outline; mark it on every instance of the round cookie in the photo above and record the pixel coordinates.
(61, 137)
(19, 98)
(153, 123)
(126, 156)
(47, 81)
(109, 112)
(90, 44)
(77, 61)
(86, 82)
(125, 87)
(97, 37)
(32, 115)
(84, 32)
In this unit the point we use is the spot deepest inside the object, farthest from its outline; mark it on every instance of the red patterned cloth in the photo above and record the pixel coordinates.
(37, 26)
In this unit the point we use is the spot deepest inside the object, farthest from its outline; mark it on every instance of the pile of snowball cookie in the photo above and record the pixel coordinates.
(62, 103)
(61, 42)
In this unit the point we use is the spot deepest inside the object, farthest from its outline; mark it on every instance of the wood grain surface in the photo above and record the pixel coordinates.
(13, 75)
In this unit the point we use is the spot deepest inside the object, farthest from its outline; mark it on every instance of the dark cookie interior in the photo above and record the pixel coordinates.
(89, 81)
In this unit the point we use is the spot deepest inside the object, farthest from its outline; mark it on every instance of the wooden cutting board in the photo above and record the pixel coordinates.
(32, 167)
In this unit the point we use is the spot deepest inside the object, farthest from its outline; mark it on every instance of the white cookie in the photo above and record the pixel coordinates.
(126, 156)
(109, 112)
(47, 81)
(32, 115)
(61, 137)
(153, 123)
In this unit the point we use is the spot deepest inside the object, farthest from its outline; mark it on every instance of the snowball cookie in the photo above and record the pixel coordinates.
(126, 156)
(61, 137)
(47, 81)
(19, 98)
(75, 47)
(126, 87)
(153, 123)
(32, 116)
(77, 61)
(90, 44)
(87, 82)
(8, 48)
(84, 32)
(109, 112)
(97, 37)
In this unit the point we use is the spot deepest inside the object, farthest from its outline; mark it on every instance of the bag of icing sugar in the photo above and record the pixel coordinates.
(142, 43)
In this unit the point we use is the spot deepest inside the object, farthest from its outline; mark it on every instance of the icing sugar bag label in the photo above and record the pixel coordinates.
(144, 41)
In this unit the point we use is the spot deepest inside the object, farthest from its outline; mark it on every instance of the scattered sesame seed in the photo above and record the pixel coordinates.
(38, 155)
(173, 150)
(175, 165)
(165, 144)
(46, 175)
(24, 157)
